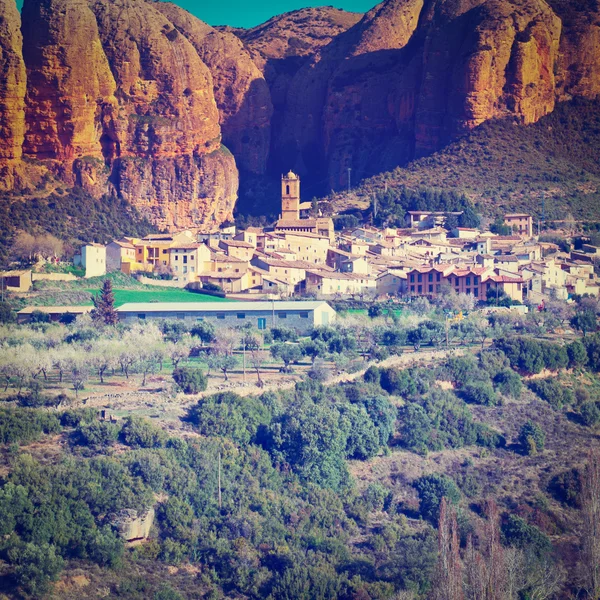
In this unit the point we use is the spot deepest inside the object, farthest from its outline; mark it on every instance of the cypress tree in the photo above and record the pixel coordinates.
(104, 305)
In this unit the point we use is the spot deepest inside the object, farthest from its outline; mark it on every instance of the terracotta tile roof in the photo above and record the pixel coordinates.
(236, 243)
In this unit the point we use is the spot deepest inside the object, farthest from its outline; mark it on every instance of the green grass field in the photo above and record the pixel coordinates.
(159, 294)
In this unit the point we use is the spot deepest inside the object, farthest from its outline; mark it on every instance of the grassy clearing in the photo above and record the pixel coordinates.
(159, 294)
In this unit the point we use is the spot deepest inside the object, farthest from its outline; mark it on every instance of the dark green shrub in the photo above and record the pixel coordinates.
(431, 489)
(284, 334)
(553, 392)
(139, 433)
(398, 383)
(532, 438)
(98, 434)
(480, 393)
(509, 383)
(566, 487)
(76, 416)
(590, 413)
(519, 534)
(577, 354)
(25, 425)
(229, 415)
(37, 316)
(488, 438)
(372, 375)
(204, 330)
(415, 427)
(375, 310)
(190, 380)
(35, 567)
(6, 313)
(363, 436)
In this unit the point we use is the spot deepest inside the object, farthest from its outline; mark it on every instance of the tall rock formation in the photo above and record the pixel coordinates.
(70, 88)
(135, 97)
(412, 75)
(12, 93)
(280, 47)
(241, 92)
(116, 96)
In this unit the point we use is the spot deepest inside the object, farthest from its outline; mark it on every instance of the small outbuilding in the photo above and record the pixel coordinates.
(301, 315)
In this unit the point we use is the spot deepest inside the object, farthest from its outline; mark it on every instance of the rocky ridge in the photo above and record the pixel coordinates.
(12, 93)
(117, 100)
(161, 98)
(240, 90)
(413, 75)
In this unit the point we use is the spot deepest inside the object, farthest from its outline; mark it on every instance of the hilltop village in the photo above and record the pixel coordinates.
(302, 256)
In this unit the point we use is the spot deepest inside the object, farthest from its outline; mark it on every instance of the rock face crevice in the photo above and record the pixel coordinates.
(241, 92)
(412, 75)
(12, 94)
(144, 100)
(117, 99)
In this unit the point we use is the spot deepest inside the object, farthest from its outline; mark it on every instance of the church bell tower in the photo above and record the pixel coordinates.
(290, 197)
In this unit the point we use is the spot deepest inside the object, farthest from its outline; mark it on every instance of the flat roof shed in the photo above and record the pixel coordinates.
(300, 315)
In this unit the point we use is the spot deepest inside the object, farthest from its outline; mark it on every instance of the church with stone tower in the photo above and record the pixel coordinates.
(290, 220)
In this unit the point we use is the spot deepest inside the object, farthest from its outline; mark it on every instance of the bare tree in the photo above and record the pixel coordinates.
(590, 535)
(448, 576)
(257, 359)
(485, 568)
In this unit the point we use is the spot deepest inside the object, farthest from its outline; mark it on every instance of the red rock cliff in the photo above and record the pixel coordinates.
(12, 93)
(118, 99)
(414, 74)
(241, 92)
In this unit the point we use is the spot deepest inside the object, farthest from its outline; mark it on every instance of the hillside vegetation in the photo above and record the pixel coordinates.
(322, 491)
(73, 217)
(503, 166)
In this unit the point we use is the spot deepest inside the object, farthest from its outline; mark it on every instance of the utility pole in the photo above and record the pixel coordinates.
(219, 484)
(349, 179)
(244, 357)
(447, 332)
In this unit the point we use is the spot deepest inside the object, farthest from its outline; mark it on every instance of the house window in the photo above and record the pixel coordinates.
(439, 277)
(420, 290)
(468, 281)
(220, 315)
(438, 288)
(430, 276)
(476, 292)
(241, 315)
(164, 251)
(419, 277)
(185, 259)
(176, 257)
(475, 282)
(431, 289)
(412, 278)
(412, 288)
(304, 315)
(468, 291)
(141, 316)
(282, 315)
